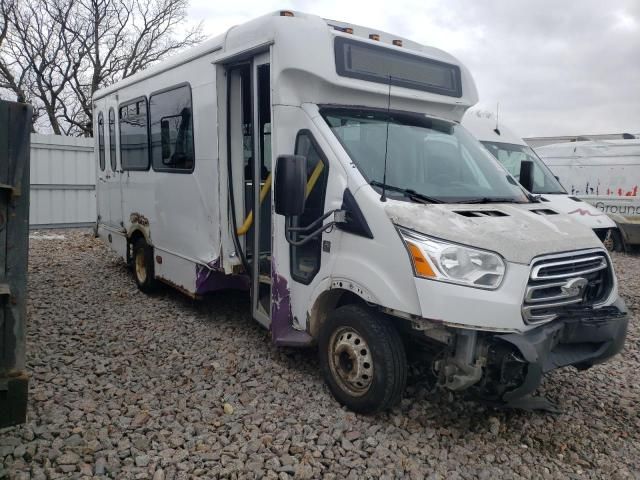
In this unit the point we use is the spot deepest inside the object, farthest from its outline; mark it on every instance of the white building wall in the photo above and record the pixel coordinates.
(63, 181)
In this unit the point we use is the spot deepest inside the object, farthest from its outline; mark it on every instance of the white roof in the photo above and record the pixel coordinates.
(306, 54)
(483, 126)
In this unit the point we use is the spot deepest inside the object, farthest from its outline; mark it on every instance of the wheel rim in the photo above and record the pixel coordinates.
(350, 361)
(141, 269)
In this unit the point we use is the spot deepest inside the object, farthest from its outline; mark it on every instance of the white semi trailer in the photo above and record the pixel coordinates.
(321, 165)
(605, 174)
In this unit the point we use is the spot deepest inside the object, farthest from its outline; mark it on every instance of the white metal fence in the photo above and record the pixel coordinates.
(63, 181)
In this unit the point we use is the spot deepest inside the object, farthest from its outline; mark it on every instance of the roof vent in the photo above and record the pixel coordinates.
(575, 199)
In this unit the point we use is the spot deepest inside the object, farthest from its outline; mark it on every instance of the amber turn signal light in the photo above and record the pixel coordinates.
(420, 263)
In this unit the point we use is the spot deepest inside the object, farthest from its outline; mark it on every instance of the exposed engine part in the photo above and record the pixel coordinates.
(505, 370)
(464, 368)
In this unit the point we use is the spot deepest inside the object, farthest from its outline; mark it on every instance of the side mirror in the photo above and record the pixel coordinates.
(290, 185)
(165, 139)
(526, 175)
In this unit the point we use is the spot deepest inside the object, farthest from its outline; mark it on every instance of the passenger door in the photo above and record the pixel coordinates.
(261, 184)
(249, 137)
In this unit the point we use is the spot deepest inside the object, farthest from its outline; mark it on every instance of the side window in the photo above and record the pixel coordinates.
(134, 135)
(172, 130)
(112, 139)
(305, 259)
(101, 141)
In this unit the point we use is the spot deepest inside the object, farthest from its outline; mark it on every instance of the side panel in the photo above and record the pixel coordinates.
(178, 213)
(606, 176)
(15, 123)
(176, 271)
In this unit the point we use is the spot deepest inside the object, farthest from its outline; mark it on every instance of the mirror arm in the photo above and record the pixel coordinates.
(312, 224)
(339, 217)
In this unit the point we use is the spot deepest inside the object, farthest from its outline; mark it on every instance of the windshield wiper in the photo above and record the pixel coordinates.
(490, 200)
(412, 194)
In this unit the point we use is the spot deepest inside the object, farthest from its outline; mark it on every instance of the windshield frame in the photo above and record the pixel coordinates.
(537, 161)
(420, 120)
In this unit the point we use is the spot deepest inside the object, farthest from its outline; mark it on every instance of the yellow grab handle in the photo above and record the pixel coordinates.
(311, 183)
(249, 220)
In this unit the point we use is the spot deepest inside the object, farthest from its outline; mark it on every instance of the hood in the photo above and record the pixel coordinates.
(515, 231)
(581, 211)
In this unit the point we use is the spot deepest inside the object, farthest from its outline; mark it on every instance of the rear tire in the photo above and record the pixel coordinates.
(363, 359)
(143, 266)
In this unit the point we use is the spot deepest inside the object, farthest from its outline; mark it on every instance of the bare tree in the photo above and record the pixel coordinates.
(57, 53)
(12, 79)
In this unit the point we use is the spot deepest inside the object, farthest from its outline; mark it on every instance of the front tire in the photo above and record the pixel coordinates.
(363, 359)
(617, 244)
(143, 266)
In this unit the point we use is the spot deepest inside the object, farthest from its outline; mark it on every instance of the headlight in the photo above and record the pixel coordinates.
(453, 263)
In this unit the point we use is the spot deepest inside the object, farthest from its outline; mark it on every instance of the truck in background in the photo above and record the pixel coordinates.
(512, 151)
(15, 130)
(606, 174)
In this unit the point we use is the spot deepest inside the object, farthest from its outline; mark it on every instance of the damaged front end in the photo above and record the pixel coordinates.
(508, 368)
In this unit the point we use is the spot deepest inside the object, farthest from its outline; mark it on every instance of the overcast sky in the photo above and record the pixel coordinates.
(556, 67)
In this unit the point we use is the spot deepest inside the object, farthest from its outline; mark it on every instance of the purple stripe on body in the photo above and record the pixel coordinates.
(282, 331)
(211, 278)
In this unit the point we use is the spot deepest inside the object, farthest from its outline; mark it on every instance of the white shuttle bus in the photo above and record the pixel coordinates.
(514, 154)
(321, 165)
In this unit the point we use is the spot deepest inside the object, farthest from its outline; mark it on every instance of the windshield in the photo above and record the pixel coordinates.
(511, 155)
(427, 156)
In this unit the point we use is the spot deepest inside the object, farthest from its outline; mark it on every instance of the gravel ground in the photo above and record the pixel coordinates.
(132, 386)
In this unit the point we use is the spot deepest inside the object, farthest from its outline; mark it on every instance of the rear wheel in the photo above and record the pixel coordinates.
(363, 359)
(143, 266)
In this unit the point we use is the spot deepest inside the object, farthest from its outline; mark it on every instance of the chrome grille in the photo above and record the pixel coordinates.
(557, 282)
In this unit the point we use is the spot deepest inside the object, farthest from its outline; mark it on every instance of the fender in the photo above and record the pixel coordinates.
(326, 296)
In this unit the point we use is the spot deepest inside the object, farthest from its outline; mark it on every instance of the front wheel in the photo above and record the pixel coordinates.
(617, 244)
(363, 359)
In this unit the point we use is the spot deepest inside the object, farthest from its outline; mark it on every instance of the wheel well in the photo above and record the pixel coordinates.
(349, 298)
(327, 302)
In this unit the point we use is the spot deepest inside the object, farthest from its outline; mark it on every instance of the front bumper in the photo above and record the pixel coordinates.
(581, 338)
